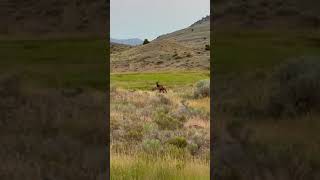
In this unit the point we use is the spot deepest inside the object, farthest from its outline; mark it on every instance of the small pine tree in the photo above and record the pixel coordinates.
(146, 41)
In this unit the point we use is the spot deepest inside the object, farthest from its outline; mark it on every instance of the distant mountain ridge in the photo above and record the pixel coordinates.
(132, 42)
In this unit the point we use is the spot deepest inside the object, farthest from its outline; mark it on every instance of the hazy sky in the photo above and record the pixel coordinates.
(151, 18)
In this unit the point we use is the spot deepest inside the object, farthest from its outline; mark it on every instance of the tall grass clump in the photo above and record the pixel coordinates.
(167, 168)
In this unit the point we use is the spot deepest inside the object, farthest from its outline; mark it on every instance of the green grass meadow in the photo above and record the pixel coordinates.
(145, 81)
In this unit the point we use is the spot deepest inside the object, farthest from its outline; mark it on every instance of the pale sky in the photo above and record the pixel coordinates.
(152, 18)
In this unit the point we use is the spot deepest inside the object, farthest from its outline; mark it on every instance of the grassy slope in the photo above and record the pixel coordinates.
(56, 63)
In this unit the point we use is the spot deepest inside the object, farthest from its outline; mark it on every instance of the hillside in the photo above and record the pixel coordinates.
(180, 50)
(53, 18)
(117, 48)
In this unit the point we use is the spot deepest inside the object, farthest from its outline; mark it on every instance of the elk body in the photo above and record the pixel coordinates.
(159, 87)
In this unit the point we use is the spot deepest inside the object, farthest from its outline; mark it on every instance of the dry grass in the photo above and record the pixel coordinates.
(149, 130)
(201, 103)
(198, 123)
(164, 168)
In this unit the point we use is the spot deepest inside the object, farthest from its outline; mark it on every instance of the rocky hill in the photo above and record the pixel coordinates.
(32, 18)
(186, 49)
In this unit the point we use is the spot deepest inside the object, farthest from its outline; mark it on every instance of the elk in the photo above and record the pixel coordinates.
(161, 88)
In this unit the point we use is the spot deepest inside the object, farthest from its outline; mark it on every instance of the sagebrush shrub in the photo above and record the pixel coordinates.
(291, 89)
(295, 87)
(134, 131)
(179, 142)
(167, 122)
(193, 148)
(202, 89)
(160, 100)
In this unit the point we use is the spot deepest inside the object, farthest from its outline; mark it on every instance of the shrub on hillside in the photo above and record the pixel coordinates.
(146, 41)
(202, 89)
(189, 55)
(207, 47)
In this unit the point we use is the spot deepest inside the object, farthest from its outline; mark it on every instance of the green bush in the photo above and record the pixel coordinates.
(134, 135)
(146, 41)
(151, 145)
(179, 142)
(148, 127)
(202, 89)
(193, 148)
(134, 132)
(167, 122)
